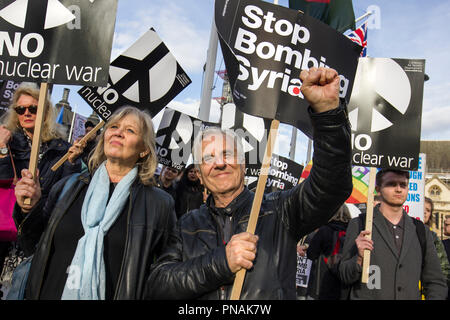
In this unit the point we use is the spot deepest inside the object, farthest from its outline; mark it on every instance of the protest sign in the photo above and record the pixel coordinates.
(266, 46)
(78, 129)
(360, 179)
(385, 112)
(284, 174)
(7, 89)
(145, 76)
(303, 271)
(414, 204)
(175, 137)
(56, 41)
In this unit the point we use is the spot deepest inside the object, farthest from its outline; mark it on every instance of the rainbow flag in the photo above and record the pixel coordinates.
(360, 178)
(305, 172)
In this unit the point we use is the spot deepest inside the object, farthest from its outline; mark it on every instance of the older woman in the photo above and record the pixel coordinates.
(16, 137)
(103, 229)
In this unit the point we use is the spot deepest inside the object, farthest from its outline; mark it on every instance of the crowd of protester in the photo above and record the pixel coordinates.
(105, 226)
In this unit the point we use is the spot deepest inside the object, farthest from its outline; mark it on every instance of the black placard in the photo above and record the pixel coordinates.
(146, 76)
(175, 137)
(283, 174)
(385, 111)
(266, 46)
(58, 41)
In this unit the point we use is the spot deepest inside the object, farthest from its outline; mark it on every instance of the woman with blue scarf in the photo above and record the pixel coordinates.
(98, 232)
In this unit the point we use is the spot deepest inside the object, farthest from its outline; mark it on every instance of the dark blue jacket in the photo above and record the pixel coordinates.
(54, 150)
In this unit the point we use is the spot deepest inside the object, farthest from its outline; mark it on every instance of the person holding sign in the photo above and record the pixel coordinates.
(16, 135)
(402, 249)
(99, 231)
(210, 245)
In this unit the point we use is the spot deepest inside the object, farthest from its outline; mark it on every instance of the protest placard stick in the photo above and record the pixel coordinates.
(36, 144)
(256, 206)
(84, 139)
(369, 221)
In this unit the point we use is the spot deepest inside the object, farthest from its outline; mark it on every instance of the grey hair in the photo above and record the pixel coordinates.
(216, 131)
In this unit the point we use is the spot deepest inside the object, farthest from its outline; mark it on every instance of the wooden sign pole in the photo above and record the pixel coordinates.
(369, 221)
(84, 139)
(256, 206)
(35, 146)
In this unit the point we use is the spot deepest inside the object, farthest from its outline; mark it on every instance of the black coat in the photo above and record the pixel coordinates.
(325, 285)
(188, 196)
(54, 150)
(150, 217)
(194, 264)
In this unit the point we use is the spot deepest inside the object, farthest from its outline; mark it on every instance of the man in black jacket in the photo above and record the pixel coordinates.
(209, 245)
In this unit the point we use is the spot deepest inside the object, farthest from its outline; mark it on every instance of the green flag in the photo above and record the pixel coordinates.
(338, 14)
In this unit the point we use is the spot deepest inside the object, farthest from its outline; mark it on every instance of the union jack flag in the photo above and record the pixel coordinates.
(360, 37)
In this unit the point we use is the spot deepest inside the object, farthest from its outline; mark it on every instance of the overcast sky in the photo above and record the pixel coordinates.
(408, 29)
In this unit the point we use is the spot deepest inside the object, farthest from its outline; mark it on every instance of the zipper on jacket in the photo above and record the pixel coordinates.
(125, 250)
(19, 229)
(223, 295)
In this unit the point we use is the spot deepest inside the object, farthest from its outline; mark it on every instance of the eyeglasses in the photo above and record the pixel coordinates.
(21, 110)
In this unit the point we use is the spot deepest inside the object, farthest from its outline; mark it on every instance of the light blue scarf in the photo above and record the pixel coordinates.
(86, 274)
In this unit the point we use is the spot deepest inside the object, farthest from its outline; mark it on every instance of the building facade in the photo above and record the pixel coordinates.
(437, 181)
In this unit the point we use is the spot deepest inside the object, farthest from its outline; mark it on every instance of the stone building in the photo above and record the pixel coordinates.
(437, 180)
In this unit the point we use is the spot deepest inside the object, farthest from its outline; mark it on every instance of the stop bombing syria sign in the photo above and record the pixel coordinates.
(56, 41)
(265, 47)
(385, 112)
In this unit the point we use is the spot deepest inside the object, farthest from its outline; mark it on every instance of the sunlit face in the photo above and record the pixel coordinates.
(220, 171)
(123, 142)
(426, 211)
(393, 189)
(27, 120)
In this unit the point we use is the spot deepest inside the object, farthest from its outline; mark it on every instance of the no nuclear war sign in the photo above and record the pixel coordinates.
(146, 76)
(385, 112)
(56, 41)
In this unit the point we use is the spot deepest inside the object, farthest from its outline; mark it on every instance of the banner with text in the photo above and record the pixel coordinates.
(414, 204)
(78, 130)
(284, 174)
(385, 112)
(145, 76)
(7, 89)
(303, 271)
(56, 41)
(265, 47)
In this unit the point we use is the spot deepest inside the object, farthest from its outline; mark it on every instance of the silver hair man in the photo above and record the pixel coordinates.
(208, 134)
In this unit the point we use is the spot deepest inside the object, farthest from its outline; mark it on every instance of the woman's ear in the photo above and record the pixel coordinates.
(144, 153)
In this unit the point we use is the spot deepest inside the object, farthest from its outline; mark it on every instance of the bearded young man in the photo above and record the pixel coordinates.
(396, 250)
